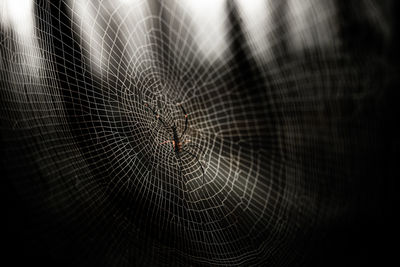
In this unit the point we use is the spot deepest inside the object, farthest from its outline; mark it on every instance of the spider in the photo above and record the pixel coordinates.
(177, 141)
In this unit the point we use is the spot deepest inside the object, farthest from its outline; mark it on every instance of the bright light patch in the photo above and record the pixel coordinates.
(127, 1)
(312, 24)
(17, 14)
(83, 12)
(209, 26)
(94, 33)
(257, 18)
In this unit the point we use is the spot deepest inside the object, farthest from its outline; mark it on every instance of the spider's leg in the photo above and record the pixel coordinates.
(201, 166)
(191, 144)
(140, 96)
(157, 116)
(168, 141)
(184, 189)
(186, 122)
(179, 163)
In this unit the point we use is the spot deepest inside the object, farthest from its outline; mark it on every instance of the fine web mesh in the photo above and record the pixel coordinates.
(280, 129)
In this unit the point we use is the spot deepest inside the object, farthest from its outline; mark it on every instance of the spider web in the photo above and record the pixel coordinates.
(283, 117)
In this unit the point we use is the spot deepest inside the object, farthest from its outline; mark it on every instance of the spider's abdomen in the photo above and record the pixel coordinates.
(178, 147)
(177, 142)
